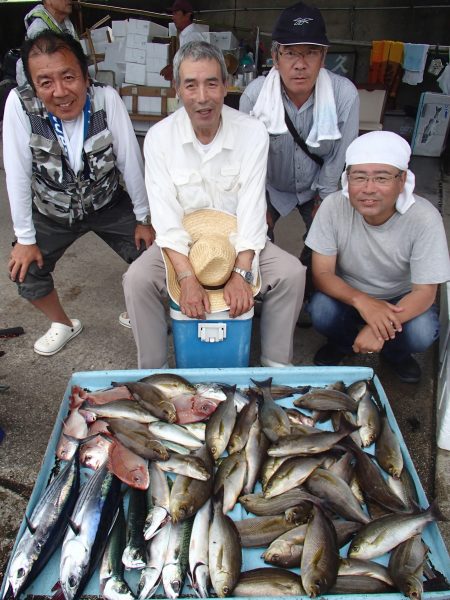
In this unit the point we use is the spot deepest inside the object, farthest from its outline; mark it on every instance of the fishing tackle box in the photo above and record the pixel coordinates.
(251, 557)
(217, 342)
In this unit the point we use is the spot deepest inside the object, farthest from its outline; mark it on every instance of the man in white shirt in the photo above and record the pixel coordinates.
(207, 155)
(66, 143)
(182, 17)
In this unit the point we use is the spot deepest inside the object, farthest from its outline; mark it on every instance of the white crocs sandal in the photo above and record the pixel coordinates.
(57, 337)
(124, 320)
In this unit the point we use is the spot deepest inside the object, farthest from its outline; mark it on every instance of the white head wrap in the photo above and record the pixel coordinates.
(385, 148)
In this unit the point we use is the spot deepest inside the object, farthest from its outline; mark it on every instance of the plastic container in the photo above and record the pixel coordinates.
(217, 342)
(294, 376)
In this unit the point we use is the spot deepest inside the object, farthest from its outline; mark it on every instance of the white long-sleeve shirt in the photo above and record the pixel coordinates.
(17, 159)
(230, 176)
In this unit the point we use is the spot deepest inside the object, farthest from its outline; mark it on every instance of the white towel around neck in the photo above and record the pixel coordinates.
(269, 108)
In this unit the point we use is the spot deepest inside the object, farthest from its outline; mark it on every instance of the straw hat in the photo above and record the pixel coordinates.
(212, 255)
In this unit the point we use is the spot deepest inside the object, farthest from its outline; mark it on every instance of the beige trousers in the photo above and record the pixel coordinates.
(282, 290)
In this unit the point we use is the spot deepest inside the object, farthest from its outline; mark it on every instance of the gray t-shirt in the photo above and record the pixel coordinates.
(385, 260)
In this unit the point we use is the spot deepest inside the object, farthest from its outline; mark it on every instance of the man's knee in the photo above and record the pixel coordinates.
(36, 285)
(323, 310)
(140, 276)
(423, 330)
(293, 272)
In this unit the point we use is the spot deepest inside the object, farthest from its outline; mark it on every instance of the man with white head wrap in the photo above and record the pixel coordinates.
(379, 254)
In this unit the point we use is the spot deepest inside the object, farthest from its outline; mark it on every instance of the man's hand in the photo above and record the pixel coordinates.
(381, 316)
(194, 301)
(366, 342)
(22, 255)
(238, 295)
(167, 72)
(144, 233)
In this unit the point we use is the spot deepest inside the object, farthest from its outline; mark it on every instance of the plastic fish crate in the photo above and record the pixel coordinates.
(295, 376)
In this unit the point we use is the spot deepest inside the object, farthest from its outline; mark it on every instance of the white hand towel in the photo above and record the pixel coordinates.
(269, 106)
(325, 123)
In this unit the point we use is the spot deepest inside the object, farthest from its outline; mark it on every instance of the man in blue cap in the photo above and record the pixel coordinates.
(310, 113)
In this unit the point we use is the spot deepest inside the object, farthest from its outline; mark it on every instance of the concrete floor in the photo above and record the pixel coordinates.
(88, 278)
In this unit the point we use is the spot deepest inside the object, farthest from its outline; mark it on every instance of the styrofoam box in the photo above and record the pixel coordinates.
(156, 80)
(135, 73)
(119, 28)
(115, 52)
(101, 34)
(154, 50)
(432, 124)
(225, 40)
(135, 55)
(140, 26)
(136, 40)
(172, 30)
(154, 64)
(150, 106)
(217, 341)
(100, 47)
(251, 557)
(156, 30)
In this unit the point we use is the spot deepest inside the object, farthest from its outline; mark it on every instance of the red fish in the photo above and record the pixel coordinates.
(74, 426)
(94, 452)
(128, 466)
(191, 409)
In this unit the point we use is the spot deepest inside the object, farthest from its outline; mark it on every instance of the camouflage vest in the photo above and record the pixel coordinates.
(57, 191)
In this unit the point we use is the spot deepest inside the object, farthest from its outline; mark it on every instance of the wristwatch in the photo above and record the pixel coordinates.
(247, 275)
(145, 221)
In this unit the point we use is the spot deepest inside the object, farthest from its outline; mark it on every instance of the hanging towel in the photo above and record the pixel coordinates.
(394, 68)
(378, 59)
(325, 123)
(414, 63)
(269, 108)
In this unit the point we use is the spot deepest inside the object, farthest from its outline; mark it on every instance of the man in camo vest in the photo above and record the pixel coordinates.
(66, 143)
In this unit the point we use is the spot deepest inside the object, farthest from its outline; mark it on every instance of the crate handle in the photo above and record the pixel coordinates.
(212, 332)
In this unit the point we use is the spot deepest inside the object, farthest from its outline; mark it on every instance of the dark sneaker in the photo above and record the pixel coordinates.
(329, 355)
(407, 370)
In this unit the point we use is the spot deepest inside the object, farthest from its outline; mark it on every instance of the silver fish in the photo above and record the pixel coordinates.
(326, 399)
(274, 420)
(241, 429)
(225, 554)
(286, 550)
(174, 433)
(383, 534)
(260, 531)
(369, 568)
(268, 582)
(90, 523)
(368, 419)
(177, 558)
(269, 466)
(156, 555)
(387, 449)
(199, 551)
(45, 528)
(359, 584)
(133, 556)
(337, 493)
(214, 391)
(169, 384)
(255, 452)
(190, 466)
(112, 585)
(120, 409)
(231, 476)
(187, 494)
(196, 429)
(292, 473)
(220, 425)
(153, 400)
(158, 495)
(358, 390)
(406, 566)
(261, 506)
(405, 488)
(320, 556)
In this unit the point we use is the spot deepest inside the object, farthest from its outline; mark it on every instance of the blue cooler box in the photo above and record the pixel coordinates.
(218, 341)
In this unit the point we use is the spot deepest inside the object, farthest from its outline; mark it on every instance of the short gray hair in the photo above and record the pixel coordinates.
(198, 51)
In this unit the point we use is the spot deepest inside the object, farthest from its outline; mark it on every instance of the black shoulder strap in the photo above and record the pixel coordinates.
(299, 140)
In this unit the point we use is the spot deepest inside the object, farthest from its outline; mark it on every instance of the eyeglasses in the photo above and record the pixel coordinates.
(382, 180)
(309, 55)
